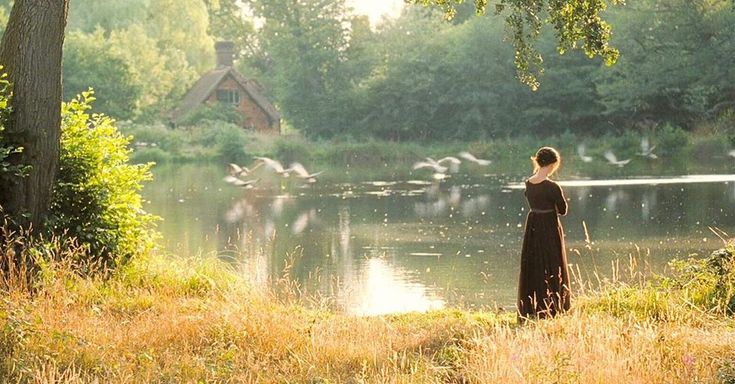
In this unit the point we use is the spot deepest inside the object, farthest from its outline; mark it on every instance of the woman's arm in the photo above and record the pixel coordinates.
(559, 200)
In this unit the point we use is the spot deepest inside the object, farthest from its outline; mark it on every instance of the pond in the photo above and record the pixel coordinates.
(404, 242)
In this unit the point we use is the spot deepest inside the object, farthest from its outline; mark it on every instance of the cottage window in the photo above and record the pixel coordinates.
(228, 96)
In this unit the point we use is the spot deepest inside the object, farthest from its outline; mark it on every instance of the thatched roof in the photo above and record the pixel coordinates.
(208, 83)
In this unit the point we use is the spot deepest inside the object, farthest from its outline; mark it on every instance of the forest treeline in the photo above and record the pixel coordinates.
(415, 77)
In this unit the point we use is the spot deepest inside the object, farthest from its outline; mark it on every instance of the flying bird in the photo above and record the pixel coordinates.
(581, 153)
(612, 159)
(302, 173)
(731, 153)
(647, 149)
(238, 171)
(274, 165)
(430, 163)
(453, 163)
(470, 157)
(236, 181)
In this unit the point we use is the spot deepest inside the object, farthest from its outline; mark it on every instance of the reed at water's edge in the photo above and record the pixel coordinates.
(163, 319)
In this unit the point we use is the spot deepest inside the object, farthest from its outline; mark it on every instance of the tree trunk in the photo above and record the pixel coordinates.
(31, 56)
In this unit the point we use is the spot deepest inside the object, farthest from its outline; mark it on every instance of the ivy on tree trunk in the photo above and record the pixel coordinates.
(31, 54)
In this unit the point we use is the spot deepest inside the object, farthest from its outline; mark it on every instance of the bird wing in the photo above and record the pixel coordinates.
(645, 145)
(611, 157)
(422, 164)
(234, 169)
(581, 150)
(239, 182)
(273, 164)
(468, 156)
(299, 169)
(253, 167)
(450, 159)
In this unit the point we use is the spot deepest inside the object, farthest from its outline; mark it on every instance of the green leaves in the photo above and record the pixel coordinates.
(8, 169)
(96, 198)
(573, 21)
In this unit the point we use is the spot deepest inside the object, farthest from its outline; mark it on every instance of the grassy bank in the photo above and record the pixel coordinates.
(162, 320)
(678, 151)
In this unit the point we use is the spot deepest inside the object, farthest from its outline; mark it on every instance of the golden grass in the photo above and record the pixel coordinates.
(185, 321)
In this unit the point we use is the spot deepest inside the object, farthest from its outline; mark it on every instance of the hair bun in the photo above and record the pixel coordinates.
(546, 156)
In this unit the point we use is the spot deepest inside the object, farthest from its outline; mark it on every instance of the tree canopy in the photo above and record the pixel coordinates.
(575, 22)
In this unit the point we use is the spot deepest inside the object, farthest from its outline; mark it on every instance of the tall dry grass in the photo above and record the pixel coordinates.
(168, 320)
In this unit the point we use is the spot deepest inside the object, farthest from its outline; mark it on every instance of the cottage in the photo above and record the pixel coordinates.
(226, 85)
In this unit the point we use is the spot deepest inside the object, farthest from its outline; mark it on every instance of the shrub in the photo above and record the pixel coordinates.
(228, 140)
(96, 196)
(170, 140)
(709, 147)
(150, 155)
(231, 145)
(214, 112)
(709, 282)
(672, 140)
(291, 149)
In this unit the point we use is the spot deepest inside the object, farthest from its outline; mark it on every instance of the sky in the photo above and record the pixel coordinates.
(375, 9)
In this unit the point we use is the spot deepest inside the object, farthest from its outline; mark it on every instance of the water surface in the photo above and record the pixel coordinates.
(403, 242)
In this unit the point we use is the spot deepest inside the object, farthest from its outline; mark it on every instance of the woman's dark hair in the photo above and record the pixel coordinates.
(546, 156)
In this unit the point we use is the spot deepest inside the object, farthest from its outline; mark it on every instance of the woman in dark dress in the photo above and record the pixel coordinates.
(543, 288)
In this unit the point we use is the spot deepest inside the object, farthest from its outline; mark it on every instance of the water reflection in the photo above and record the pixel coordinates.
(399, 245)
(380, 288)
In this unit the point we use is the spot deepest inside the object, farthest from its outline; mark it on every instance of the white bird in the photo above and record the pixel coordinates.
(581, 153)
(274, 165)
(612, 159)
(453, 163)
(468, 156)
(450, 159)
(430, 163)
(302, 173)
(647, 149)
(236, 181)
(236, 170)
(731, 153)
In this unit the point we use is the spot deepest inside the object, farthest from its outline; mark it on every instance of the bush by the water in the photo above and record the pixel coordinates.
(96, 198)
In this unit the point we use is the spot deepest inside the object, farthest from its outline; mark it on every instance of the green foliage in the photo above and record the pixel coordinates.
(150, 155)
(140, 55)
(7, 169)
(417, 77)
(573, 21)
(672, 140)
(292, 149)
(709, 282)
(302, 48)
(214, 112)
(91, 61)
(96, 198)
(230, 143)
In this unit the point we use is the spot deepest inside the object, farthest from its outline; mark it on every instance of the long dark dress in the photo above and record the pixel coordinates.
(543, 288)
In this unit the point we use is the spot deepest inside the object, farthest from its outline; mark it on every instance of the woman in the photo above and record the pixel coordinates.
(543, 288)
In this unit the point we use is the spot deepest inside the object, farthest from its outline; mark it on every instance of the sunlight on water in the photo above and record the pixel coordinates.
(381, 288)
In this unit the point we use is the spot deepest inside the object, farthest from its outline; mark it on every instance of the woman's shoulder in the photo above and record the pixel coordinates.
(553, 184)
